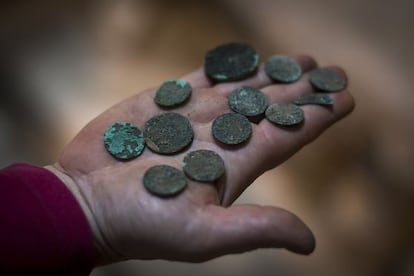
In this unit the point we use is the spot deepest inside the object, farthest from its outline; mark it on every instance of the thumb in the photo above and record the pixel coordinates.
(243, 228)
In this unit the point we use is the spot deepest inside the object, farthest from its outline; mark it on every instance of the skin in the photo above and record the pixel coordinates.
(199, 224)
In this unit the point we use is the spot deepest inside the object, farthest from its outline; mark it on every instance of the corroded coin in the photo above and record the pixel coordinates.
(283, 69)
(314, 98)
(203, 165)
(231, 128)
(123, 140)
(172, 93)
(164, 181)
(230, 62)
(285, 114)
(328, 80)
(168, 133)
(248, 101)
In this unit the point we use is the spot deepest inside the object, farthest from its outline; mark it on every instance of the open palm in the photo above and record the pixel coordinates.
(199, 224)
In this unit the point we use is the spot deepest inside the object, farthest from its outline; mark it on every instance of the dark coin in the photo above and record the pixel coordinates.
(164, 181)
(248, 101)
(328, 80)
(230, 62)
(231, 128)
(314, 98)
(123, 140)
(168, 133)
(203, 165)
(283, 69)
(285, 114)
(172, 93)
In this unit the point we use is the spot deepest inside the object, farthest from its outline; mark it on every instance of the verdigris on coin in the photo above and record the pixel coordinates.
(248, 101)
(285, 114)
(283, 69)
(327, 80)
(124, 141)
(172, 93)
(314, 98)
(231, 62)
(168, 133)
(164, 181)
(203, 165)
(231, 128)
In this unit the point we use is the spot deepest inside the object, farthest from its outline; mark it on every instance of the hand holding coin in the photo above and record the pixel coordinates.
(199, 223)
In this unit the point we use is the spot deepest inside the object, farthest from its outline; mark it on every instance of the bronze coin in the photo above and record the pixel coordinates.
(231, 128)
(248, 101)
(172, 93)
(231, 62)
(164, 181)
(285, 114)
(203, 165)
(283, 69)
(168, 133)
(327, 80)
(314, 98)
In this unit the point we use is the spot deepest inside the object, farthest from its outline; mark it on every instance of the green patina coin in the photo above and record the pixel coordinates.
(283, 69)
(172, 93)
(248, 101)
(314, 98)
(231, 62)
(203, 165)
(168, 133)
(327, 80)
(285, 114)
(164, 181)
(123, 140)
(231, 128)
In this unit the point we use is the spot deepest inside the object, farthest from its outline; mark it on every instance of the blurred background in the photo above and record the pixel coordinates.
(64, 62)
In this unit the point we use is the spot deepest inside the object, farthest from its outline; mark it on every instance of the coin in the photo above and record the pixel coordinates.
(164, 181)
(230, 62)
(124, 141)
(328, 80)
(231, 128)
(172, 93)
(248, 101)
(283, 69)
(203, 165)
(314, 98)
(168, 133)
(285, 114)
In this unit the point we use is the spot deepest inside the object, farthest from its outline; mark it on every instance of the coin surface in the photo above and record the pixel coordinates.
(164, 181)
(168, 133)
(285, 114)
(314, 98)
(327, 80)
(172, 93)
(231, 128)
(203, 165)
(283, 69)
(230, 62)
(248, 101)
(124, 141)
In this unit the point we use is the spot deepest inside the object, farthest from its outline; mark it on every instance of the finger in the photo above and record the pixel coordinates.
(247, 227)
(197, 79)
(261, 79)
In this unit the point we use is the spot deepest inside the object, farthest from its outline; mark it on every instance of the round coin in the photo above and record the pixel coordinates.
(231, 128)
(314, 98)
(230, 62)
(285, 114)
(168, 133)
(283, 69)
(172, 93)
(248, 101)
(327, 80)
(123, 140)
(203, 165)
(164, 181)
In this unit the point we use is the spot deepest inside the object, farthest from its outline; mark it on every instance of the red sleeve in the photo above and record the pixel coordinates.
(42, 227)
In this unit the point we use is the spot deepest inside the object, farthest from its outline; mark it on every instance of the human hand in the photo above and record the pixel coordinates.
(200, 223)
